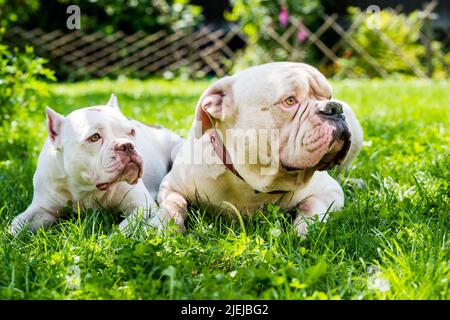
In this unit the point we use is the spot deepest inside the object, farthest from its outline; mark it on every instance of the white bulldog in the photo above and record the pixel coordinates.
(310, 133)
(96, 157)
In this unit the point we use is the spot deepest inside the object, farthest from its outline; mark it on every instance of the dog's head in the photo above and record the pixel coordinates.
(292, 98)
(97, 145)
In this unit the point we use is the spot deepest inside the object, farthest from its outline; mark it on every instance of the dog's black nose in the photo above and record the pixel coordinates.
(332, 109)
(125, 147)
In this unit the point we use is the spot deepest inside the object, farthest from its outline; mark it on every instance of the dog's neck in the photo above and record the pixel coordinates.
(277, 183)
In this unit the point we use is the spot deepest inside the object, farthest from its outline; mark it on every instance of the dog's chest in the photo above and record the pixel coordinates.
(229, 188)
(97, 199)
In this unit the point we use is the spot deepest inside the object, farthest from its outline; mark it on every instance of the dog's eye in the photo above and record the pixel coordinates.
(132, 132)
(94, 138)
(290, 101)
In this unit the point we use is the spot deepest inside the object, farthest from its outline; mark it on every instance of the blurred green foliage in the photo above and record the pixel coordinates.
(256, 16)
(16, 11)
(108, 16)
(398, 49)
(391, 39)
(21, 87)
(136, 15)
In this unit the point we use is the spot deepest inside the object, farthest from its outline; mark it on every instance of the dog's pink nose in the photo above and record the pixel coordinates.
(127, 147)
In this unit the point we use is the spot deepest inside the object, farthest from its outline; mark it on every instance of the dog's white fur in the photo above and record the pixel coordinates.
(70, 168)
(250, 99)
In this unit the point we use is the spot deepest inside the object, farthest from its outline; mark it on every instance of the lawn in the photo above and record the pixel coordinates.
(391, 241)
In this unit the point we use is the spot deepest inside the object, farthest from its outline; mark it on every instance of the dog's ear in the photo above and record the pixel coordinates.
(113, 102)
(54, 121)
(318, 84)
(215, 104)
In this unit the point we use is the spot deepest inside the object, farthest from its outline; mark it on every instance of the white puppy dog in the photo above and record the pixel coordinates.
(265, 135)
(96, 157)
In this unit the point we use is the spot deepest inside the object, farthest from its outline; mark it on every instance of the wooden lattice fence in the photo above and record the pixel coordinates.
(98, 55)
(204, 51)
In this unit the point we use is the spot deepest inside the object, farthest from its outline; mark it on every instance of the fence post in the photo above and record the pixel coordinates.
(428, 38)
(428, 16)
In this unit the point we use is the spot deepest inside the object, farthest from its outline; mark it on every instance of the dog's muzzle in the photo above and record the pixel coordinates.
(333, 113)
(131, 167)
(328, 142)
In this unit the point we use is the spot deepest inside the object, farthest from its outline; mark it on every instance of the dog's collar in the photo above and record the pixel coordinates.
(222, 152)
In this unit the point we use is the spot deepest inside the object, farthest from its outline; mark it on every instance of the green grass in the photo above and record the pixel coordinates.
(391, 241)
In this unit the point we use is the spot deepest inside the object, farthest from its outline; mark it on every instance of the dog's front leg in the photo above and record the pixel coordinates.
(323, 195)
(173, 207)
(138, 207)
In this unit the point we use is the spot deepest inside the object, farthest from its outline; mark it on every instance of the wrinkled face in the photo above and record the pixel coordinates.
(294, 98)
(315, 136)
(291, 98)
(98, 146)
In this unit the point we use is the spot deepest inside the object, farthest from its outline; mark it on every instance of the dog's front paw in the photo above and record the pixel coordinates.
(17, 225)
(301, 227)
(31, 220)
(131, 225)
(134, 224)
(160, 222)
(124, 226)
